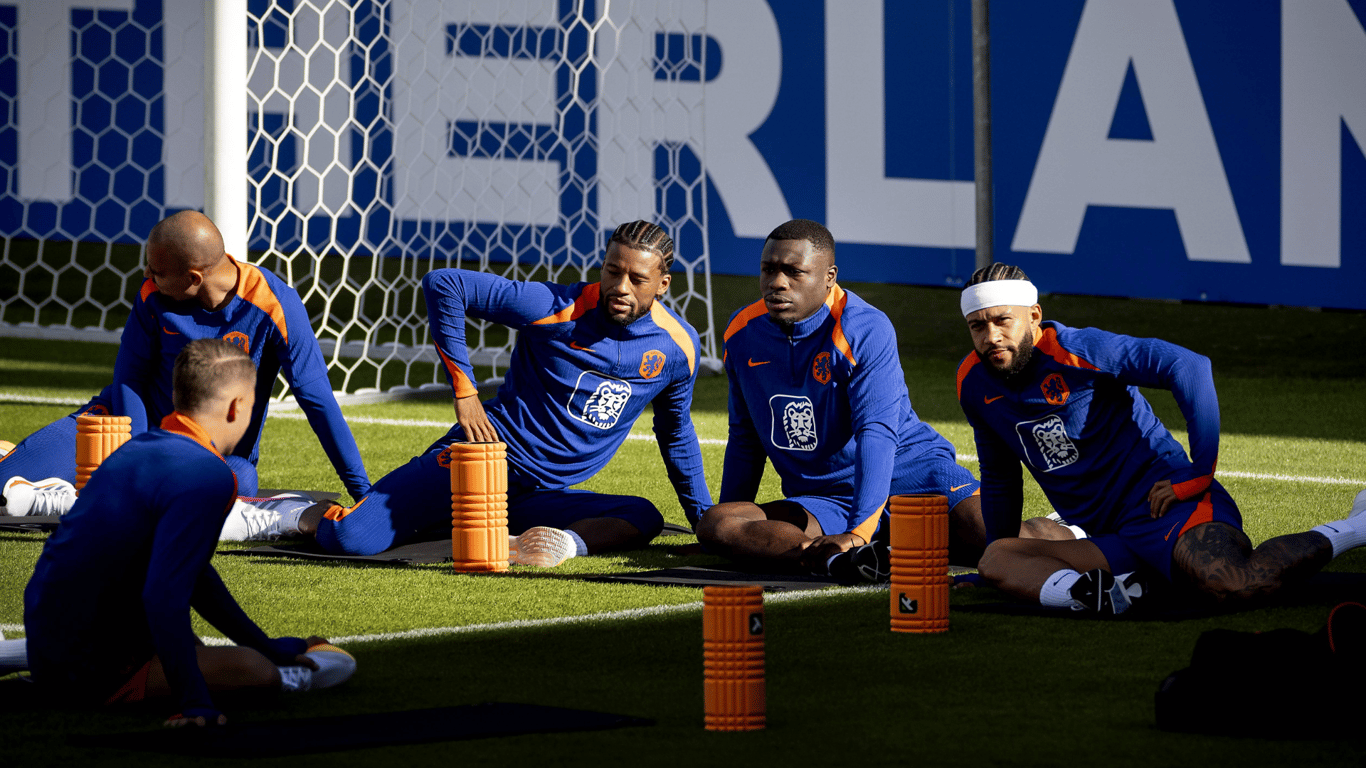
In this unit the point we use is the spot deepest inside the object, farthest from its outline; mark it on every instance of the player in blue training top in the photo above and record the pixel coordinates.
(194, 290)
(816, 387)
(589, 357)
(107, 612)
(1065, 403)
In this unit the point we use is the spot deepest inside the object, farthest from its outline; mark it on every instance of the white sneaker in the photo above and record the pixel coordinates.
(52, 496)
(546, 547)
(335, 666)
(253, 519)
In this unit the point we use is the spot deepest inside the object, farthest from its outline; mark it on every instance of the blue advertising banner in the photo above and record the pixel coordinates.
(1181, 149)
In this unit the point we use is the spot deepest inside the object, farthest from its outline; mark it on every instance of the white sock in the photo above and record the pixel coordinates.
(1350, 532)
(1057, 590)
(13, 655)
(580, 549)
(1076, 530)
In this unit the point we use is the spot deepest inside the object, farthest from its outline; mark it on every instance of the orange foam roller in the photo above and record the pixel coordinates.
(919, 540)
(96, 438)
(733, 658)
(479, 523)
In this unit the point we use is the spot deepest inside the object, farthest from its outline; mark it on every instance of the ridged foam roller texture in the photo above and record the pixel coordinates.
(96, 438)
(733, 658)
(920, 563)
(479, 506)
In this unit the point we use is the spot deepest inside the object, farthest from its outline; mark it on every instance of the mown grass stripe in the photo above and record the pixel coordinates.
(590, 618)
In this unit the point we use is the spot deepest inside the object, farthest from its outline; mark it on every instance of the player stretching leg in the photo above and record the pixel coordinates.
(816, 387)
(589, 357)
(107, 612)
(1064, 402)
(193, 290)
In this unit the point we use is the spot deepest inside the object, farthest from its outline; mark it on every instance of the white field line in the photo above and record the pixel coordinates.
(592, 618)
(963, 457)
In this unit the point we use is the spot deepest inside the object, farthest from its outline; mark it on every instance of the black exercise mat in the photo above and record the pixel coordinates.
(694, 576)
(29, 523)
(49, 522)
(436, 550)
(276, 738)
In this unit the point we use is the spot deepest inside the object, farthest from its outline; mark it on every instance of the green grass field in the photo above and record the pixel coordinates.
(997, 689)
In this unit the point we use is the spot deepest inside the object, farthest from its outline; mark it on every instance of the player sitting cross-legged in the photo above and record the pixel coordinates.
(816, 387)
(1064, 402)
(107, 612)
(589, 357)
(194, 290)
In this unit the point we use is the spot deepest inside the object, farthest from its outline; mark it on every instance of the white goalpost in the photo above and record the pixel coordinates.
(351, 146)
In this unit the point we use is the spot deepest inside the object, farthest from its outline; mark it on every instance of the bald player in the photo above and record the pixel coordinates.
(194, 290)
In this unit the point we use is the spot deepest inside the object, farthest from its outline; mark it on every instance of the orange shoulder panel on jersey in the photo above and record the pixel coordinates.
(180, 424)
(1046, 341)
(148, 288)
(586, 301)
(463, 386)
(254, 289)
(680, 336)
(836, 301)
(964, 368)
(742, 319)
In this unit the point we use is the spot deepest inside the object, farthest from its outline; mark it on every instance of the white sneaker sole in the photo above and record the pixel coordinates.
(540, 546)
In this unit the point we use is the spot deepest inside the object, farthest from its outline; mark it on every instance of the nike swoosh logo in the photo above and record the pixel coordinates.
(990, 400)
(576, 346)
(955, 488)
(761, 362)
(1169, 533)
(168, 330)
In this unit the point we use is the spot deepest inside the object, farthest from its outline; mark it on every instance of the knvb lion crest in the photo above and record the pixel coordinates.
(1047, 444)
(822, 368)
(651, 363)
(1055, 389)
(239, 340)
(794, 423)
(599, 400)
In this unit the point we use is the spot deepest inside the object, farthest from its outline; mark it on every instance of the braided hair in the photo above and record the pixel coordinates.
(644, 236)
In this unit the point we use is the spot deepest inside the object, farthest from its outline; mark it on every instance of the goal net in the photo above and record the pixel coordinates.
(386, 138)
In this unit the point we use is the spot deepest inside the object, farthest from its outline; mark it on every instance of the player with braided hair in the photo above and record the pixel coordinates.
(589, 357)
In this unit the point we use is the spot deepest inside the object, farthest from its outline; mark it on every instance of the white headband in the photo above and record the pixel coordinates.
(998, 293)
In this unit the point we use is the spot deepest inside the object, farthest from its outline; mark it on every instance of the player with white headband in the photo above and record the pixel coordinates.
(1065, 403)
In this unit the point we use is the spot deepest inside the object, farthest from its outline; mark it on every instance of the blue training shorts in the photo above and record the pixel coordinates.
(1145, 541)
(416, 498)
(934, 472)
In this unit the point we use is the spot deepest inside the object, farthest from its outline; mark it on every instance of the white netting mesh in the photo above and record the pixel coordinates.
(387, 138)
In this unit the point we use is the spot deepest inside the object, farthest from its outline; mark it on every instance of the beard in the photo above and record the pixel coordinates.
(626, 318)
(1018, 361)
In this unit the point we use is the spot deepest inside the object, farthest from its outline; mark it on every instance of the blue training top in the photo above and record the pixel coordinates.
(826, 403)
(268, 321)
(577, 381)
(1075, 418)
(116, 581)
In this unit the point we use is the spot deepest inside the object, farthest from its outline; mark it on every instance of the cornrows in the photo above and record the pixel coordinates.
(644, 236)
(997, 271)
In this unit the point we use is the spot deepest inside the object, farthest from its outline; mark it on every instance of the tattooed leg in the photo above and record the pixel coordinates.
(1218, 560)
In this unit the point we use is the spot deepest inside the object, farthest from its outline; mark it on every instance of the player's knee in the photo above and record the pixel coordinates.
(249, 668)
(247, 482)
(644, 516)
(712, 528)
(995, 560)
